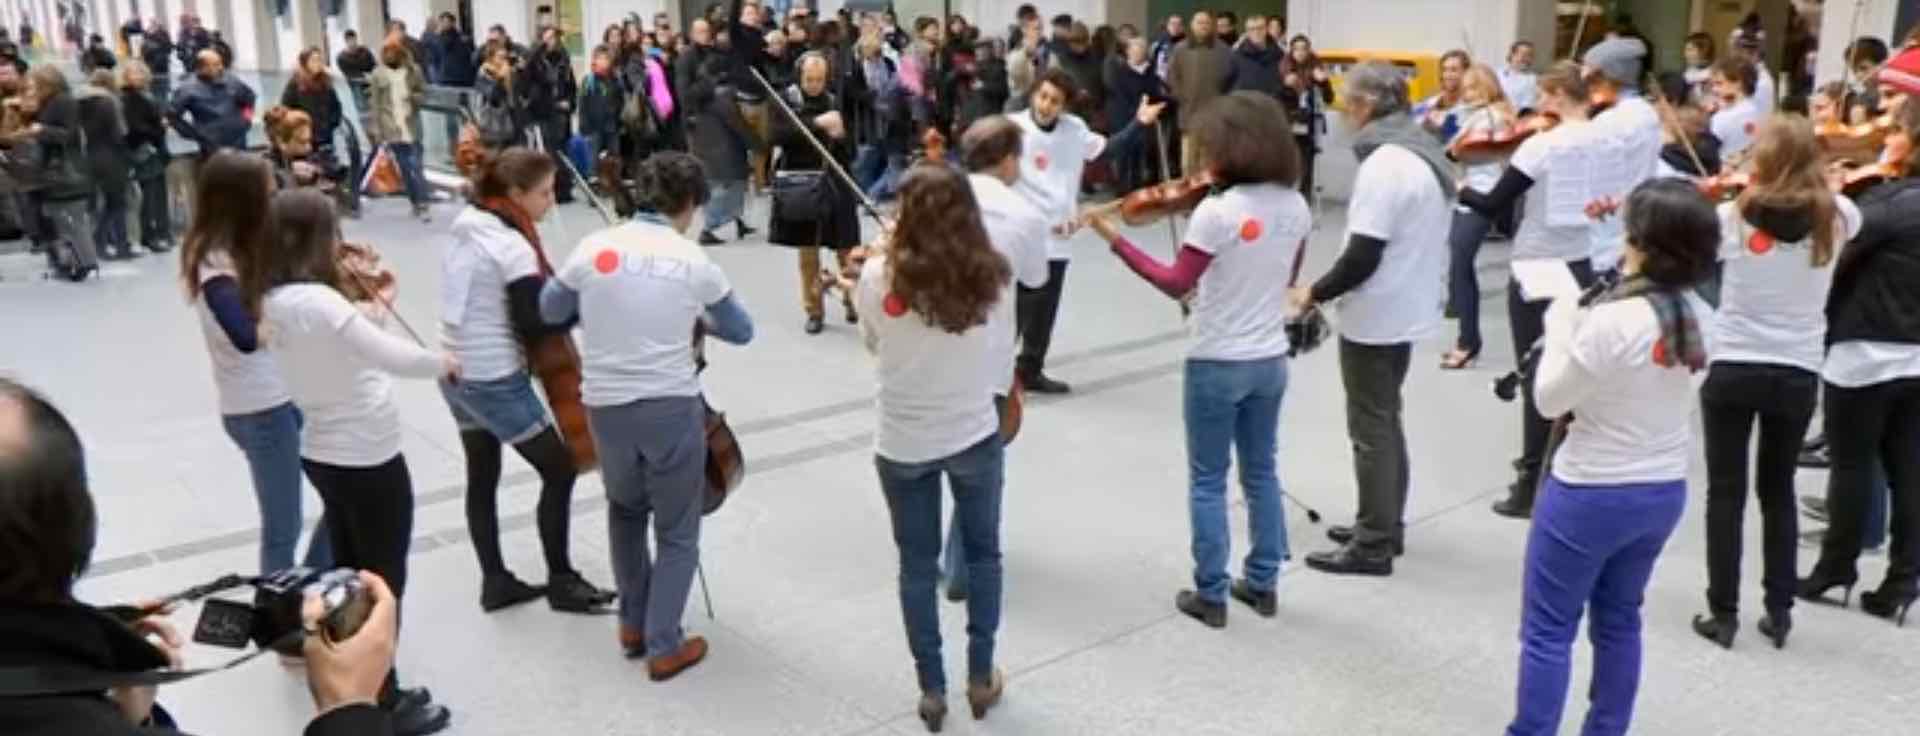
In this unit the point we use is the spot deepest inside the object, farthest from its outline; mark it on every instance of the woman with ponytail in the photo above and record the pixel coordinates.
(490, 310)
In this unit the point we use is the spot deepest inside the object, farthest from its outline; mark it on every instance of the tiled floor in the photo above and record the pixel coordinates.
(806, 629)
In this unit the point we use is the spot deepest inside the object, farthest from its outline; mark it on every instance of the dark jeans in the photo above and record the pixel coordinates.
(1034, 312)
(1372, 376)
(1865, 426)
(156, 222)
(976, 475)
(555, 134)
(1528, 322)
(369, 514)
(110, 226)
(1307, 155)
(1736, 396)
(406, 156)
(270, 440)
(1470, 230)
(1592, 550)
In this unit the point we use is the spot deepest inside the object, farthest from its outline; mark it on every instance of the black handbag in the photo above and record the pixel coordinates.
(801, 196)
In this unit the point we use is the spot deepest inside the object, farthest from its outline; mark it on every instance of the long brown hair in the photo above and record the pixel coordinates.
(305, 234)
(241, 183)
(311, 81)
(944, 267)
(1788, 173)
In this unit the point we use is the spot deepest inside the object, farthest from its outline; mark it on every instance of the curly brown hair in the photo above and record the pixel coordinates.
(940, 261)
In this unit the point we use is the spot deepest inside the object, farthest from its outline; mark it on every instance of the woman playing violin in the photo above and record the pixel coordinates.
(1735, 114)
(1487, 116)
(1237, 246)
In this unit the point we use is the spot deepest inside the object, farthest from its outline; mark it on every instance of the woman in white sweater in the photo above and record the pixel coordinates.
(1622, 368)
(336, 362)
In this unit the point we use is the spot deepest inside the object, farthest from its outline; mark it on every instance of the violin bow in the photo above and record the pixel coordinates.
(1671, 120)
(1580, 30)
(872, 209)
(593, 199)
(385, 303)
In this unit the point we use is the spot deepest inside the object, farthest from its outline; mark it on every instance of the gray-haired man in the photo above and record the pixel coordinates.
(1387, 286)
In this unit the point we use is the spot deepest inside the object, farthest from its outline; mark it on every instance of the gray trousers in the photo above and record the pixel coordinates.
(73, 245)
(653, 457)
(1372, 376)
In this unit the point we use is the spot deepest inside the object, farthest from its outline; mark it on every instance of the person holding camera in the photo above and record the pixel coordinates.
(47, 532)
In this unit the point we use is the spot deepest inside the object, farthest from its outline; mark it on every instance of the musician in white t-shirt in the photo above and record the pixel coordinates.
(1055, 152)
(928, 300)
(1738, 115)
(1627, 137)
(1387, 285)
(1244, 238)
(1778, 246)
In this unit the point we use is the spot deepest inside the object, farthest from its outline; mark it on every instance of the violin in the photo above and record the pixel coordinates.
(1722, 187)
(934, 146)
(1484, 144)
(1151, 203)
(1854, 143)
(365, 278)
(1890, 165)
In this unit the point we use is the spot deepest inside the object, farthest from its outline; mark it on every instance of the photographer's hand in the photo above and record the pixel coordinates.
(136, 701)
(351, 672)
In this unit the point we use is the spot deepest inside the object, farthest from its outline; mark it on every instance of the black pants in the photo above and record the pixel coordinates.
(1867, 425)
(156, 222)
(1372, 376)
(1781, 399)
(369, 514)
(1528, 323)
(1035, 311)
(549, 457)
(1307, 154)
(555, 133)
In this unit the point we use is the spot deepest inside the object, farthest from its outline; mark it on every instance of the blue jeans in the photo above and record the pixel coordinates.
(913, 501)
(1463, 280)
(1234, 404)
(506, 408)
(271, 441)
(1590, 546)
(728, 202)
(407, 157)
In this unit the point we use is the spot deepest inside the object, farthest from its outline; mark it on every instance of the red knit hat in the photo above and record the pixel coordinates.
(1902, 72)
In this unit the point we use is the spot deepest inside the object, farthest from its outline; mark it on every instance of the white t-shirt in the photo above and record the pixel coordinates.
(1521, 88)
(1019, 233)
(1632, 132)
(1051, 163)
(486, 255)
(1536, 158)
(1773, 300)
(936, 388)
(1763, 94)
(246, 382)
(1632, 417)
(1862, 363)
(642, 285)
(336, 362)
(1240, 303)
(1396, 199)
(1735, 125)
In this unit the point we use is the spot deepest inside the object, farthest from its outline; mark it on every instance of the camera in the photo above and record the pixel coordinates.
(274, 622)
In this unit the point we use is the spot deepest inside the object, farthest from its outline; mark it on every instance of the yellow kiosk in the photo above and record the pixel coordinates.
(1422, 70)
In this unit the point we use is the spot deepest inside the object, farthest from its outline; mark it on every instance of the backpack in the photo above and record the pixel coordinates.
(495, 122)
(636, 111)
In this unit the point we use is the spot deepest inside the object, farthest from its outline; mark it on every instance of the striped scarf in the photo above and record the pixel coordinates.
(1680, 342)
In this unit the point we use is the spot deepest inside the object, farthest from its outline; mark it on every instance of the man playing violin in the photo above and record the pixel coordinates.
(1627, 132)
(1057, 147)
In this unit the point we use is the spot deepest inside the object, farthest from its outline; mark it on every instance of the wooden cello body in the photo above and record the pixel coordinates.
(555, 363)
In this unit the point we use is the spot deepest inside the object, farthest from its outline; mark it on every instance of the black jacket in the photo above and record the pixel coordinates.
(601, 99)
(62, 150)
(1125, 87)
(1257, 68)
(157, 50)
(75, 635)
(97, 57)
(1085, 68)
(841, 227)
(550, 88)
(108, 160)
(719, 135)
(1873, 296)
(356, 63)
(748, 47)
(323, 105)
(456, 60)
(213, 114)
(145, 126)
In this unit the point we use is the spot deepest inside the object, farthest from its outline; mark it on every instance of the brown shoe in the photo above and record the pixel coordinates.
(984, 696)
(689, 654)
(632, 642)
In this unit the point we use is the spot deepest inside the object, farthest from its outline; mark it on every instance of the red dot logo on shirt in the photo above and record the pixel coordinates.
(894, 305)
(1760, 243)
(1751, 128)
(606, 262)
(1250, 230)
(1040, 161)
(1660, 353)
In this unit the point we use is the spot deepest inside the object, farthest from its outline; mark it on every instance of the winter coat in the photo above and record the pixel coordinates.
(719, 136)
(1125, 87)
(109, 162)
(391, 123)
(74, 636)
(157, 50)
(550, 86)
(356, 63)
(841, 226)
(1085, 68)
(1197, 74)
(1257, 68)
(62, 143)
(215, 114)
(323, 105)
(601, 99)
(456, 67)
(146, 131)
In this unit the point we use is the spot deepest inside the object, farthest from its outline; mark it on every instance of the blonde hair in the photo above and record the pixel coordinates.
(131, 68)
(1788, 173)
(1482, 85)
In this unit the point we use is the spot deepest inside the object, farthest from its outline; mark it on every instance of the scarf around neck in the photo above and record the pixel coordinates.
(517, 218)
(1399, 129)
(1680, 343)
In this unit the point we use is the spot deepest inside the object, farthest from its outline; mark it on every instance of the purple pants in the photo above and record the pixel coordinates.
(1590, 546)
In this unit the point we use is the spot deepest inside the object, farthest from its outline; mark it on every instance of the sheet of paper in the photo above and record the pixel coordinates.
(1542, 279)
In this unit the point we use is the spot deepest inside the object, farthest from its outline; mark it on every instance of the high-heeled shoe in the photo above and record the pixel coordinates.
(1814, 588)
(933, 711)
(1775, 626)
(1717, 629)
(1888, 605)
(1457, 359)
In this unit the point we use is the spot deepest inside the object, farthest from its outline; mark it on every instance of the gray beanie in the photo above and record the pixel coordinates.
(1621, 59)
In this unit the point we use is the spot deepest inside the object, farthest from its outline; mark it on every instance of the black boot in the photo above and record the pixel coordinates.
(1352, 559)
(567, 592)
(504, 591)
(1213, 615)
(1041, 383)
(741, 231)
(1775, 626)
(1341, 534)
(1888, 604)
(1519, 501)
(708, 238)
(415, 714)
(1265, 603)
(1717, 628)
